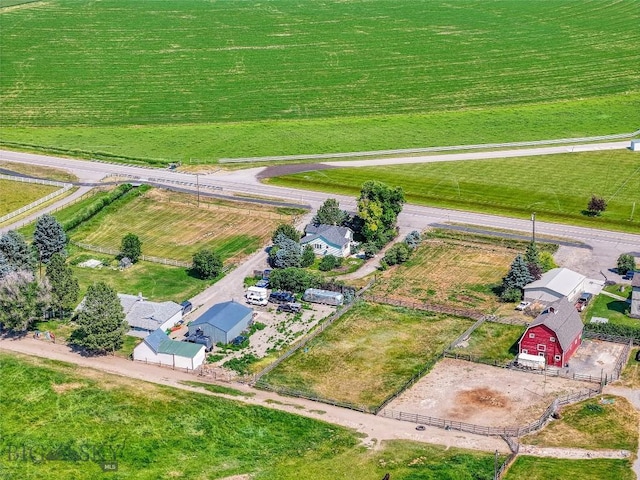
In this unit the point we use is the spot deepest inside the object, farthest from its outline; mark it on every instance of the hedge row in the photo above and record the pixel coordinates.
(93, 208)
(627, 331)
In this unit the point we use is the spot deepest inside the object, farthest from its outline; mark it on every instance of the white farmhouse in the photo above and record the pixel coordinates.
(328, 240)
(145, 317)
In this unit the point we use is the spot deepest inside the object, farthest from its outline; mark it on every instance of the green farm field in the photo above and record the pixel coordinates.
(367, 354)
(536, 468)
(162, 432)
(171, 226)
(15, 195)
(493, 342)
(556, 187)
(191, 72)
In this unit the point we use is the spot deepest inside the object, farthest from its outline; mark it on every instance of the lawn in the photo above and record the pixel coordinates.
(368, 354)
(615, 310)
(397, 74)
(162, 432)
(155, 281)
(536, 468)
(631, 373)
(15, 195)
(512, 187)
(170, 225)
(592, 425)
(459, 273)
(493, 342)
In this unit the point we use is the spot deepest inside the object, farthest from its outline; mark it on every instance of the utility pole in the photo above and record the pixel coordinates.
(533, 219)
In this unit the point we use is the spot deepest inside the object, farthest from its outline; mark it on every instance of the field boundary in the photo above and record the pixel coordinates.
(458, 312)
(517, 431)
(408, 151)
(146, 258)
(64, 188)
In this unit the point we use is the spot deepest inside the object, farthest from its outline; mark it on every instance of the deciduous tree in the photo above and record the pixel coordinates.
(23, 299)
(101, 322)
(207, 264)
(49, 238)
(131, 247)
(626, 263)
(379, 206)
(293, 279)
(596, 205)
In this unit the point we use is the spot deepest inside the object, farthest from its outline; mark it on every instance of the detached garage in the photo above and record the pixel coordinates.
(555, 284)
(158, 348)
(223, 322)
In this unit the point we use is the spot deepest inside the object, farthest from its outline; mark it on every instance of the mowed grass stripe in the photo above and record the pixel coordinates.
(165, 62)
(556, 187)
(15, 195)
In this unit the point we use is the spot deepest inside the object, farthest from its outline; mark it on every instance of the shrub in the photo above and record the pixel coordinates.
(93, 208)
(207, 264)
(329, 262)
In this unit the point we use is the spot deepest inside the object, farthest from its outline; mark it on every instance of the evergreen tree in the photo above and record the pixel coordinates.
(131, 247)
(308, 257)
(16, 251)
(532, 254)
(23, 299)
(101, 322)
(516, 279)
(49, 238)
(64, 285)
(207, 263)
(329, 213)
(288, 253)
(5, 268)
(287, 230)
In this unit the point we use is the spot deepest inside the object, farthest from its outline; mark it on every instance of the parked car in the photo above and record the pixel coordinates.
(523, 305)
(629, 275)
(290, 307)
(585, 298)
(186, 307)
(238, 340)
(281, 297)
(201, 340)
(264, 283)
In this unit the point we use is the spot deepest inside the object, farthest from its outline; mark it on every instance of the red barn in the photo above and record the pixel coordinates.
(555, 334)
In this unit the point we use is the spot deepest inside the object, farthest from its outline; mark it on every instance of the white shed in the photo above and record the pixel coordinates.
(160, 349)
(555, 284)
(635, 145)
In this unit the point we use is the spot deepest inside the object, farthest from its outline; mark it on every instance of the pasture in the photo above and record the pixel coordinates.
(15, 195)
(367, 354)
(38, 171)
(156, 432)
(205, 68)
(556, 187)
(536, 468)
(592, 424)
(170, 225)
(457, 273)
(493, 342)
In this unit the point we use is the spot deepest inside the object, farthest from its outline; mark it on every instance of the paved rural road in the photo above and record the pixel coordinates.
(605, 246)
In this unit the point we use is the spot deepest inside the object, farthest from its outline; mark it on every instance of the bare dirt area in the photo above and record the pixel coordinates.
(483, 395)
(595, 358)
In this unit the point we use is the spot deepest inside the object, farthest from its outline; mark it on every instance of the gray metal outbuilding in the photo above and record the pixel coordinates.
(223, 322)
(327, 297)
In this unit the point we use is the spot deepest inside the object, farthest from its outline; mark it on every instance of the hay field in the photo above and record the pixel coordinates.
(368, 354)
(385, 65)
(15, 195)
(170, 225)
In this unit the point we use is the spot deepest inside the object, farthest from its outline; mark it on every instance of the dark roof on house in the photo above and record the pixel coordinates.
(563, 319)
(338, 236)
(160, 343)
(224, 316)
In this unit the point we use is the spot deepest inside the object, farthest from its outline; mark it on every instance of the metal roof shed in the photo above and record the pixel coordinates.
(315, 295)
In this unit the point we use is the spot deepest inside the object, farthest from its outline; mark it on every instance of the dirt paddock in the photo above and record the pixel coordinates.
(481, 394)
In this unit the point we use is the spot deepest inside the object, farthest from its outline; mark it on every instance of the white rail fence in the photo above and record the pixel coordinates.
(64, 188)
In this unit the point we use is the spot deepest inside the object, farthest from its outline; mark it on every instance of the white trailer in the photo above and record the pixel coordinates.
(535, 362)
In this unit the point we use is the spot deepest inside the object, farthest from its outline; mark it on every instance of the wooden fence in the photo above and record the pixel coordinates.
(64, 187)
(146, 258)
(458, 312)
(492, 431)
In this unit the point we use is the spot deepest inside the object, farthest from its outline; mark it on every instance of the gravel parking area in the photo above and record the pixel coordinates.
(595, 357)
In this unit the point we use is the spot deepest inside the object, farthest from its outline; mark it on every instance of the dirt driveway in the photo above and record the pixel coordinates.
(482, 394)
(595, 358)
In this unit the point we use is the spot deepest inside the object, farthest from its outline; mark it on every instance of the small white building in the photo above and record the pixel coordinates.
(159, 348)
(555, 284)
(635, 145)
(145, 317)
(328, 240)
(536, 362)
